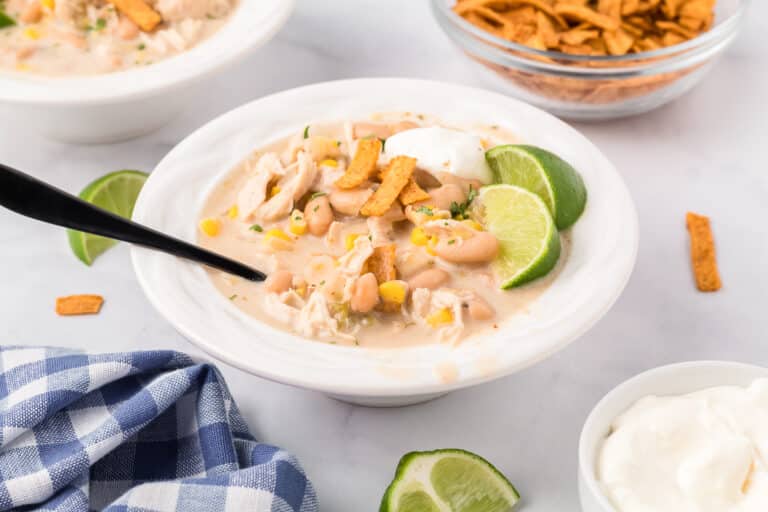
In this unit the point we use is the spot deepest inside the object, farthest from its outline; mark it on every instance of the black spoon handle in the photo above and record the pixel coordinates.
(31, 197)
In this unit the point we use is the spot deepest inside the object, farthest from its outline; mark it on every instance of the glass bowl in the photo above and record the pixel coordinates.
(584, 87)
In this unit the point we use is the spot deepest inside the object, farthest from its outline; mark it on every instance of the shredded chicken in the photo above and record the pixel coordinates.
(254, 192)
(296, 182)
(425, 302)
(381, 228)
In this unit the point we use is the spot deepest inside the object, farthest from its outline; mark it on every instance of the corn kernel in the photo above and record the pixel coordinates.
(302, 290)
(473, 224)
(274, 191)
(298, 225)
(31, 33)
(22, 66)
(431, 244)
(419, 237)
(210, 227)
(393, 291)
(440, 317)
(323, 147)
(349, 241)
(49, 4)
(329, 162)
(278, 240)
(233, 211)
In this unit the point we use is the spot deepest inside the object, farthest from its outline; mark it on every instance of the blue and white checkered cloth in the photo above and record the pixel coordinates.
(133, 432)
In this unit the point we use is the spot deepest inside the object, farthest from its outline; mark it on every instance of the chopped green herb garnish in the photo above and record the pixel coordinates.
(322, 282)
(141, 46)
(306, 132)
(451, 242)
(317, 207)
(338, 143)
(425, 210)
(383, 143)
(316, 195)
(233, 296)
(256, 227)
(459, 210)
(100, 24)
(6, 21)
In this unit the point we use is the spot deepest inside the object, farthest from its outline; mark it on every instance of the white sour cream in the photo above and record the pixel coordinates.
(442, 150)
(702, 452)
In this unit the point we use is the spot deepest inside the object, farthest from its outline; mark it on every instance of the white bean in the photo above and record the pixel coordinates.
(318, 215)
(279, 281)
(430, 279)
(349, 202)
(442, 197)
(480, 248)
(365, 293)
(479, 309)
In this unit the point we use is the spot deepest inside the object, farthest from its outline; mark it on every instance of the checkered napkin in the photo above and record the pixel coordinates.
(130, 432)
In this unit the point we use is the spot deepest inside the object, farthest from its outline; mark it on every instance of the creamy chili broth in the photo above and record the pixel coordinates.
(88, 37)
(313, 261)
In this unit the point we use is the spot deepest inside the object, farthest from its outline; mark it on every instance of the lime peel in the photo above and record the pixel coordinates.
(529, 243)
(115, 192)
(449, 480)
(545, 174)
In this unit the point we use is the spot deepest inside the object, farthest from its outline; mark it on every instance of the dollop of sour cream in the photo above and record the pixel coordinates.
(702, 452)
(440, 149)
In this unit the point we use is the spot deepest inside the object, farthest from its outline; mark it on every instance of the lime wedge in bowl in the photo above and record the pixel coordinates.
(529, 243)
(448, 481)
(117, 193)
(545, 174)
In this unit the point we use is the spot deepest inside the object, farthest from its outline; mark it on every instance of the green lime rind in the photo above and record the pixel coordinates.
(115, 192)
(5, 20)
(545, 174)
(448, 480)
(529, 243)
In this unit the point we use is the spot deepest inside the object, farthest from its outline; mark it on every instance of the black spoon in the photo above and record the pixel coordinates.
(31, 197)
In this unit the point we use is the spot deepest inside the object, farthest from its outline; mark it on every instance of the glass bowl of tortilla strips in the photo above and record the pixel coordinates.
(593, 59)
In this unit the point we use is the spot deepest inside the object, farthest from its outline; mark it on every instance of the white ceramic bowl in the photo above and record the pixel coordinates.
(115, 106)
(675, 379)
(597, 269)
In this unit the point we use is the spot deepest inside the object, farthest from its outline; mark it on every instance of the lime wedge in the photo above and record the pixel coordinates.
(528, 239)
(543, 173)
(116, 192)
(448, 481)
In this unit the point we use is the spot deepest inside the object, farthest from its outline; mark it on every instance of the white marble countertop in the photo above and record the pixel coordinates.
(705, 152)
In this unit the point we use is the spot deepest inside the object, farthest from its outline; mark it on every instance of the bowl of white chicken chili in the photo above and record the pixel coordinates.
(419, 237)
(103, 70)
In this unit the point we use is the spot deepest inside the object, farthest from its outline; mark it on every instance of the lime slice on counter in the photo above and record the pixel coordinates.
(116, 192)
(543, 173)
(528, 239)
(448, 481)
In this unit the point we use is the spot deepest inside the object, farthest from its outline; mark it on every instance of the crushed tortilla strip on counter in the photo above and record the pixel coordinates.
(703, 256)
(79, 305)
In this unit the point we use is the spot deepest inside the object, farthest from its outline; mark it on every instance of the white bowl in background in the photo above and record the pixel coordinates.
(125, 104)
(675, 379)
(598, 266)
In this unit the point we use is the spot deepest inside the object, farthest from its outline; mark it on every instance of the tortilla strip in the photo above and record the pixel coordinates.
(674, 27)
(581, 13)
(413, 193)
(703, 253)
(618, 41)
(139, 12)
(395, 178)
(577, 37)
(464, 7)
(382, 265)
(79, 305)
(363, 164)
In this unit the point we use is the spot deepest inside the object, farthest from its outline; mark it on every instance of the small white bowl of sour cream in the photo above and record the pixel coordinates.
(662, 398)
(125, 104)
